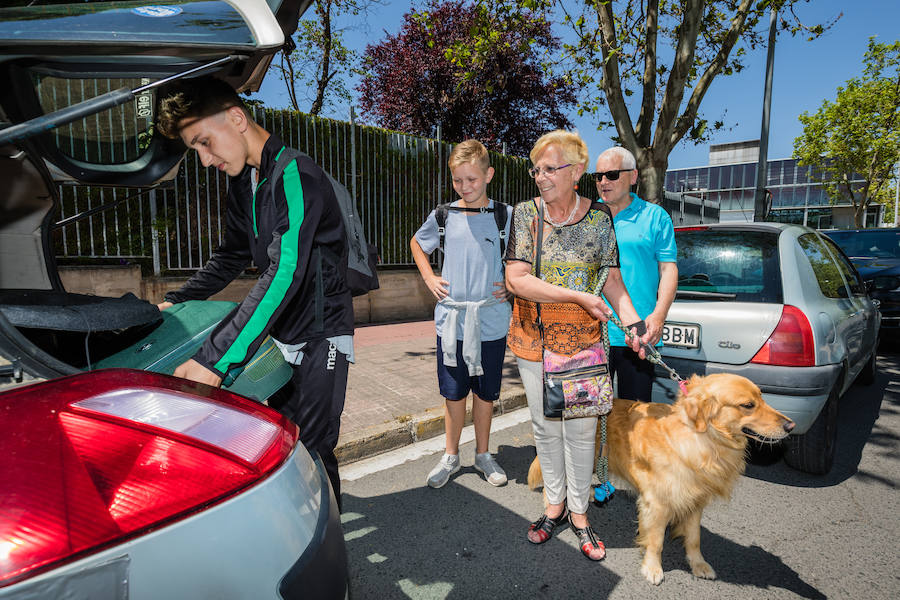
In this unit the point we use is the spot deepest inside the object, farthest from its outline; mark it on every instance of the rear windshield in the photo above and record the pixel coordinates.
(734, 265)
(876, 243)
(212, 22)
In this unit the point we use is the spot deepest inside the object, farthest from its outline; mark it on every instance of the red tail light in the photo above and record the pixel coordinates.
(791, 344)
(93, 459)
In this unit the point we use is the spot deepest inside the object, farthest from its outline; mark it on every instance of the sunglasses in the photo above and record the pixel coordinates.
(611, 175)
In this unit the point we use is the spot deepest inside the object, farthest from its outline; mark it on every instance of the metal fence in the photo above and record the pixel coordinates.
(397, 179)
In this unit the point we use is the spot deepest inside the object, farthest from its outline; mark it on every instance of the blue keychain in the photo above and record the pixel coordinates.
(603, 492)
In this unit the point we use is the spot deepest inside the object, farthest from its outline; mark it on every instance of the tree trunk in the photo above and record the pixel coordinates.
(859, 213)
(323, 8)
(651, 174)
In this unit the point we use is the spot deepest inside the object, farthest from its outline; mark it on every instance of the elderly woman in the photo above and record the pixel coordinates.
(578, 251)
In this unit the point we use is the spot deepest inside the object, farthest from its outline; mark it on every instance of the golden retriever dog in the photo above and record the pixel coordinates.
(678, 457)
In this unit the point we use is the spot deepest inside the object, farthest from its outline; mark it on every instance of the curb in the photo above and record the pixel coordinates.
(408, 430)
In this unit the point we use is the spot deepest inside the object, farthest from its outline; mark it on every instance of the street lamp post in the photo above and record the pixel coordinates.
(759, 204)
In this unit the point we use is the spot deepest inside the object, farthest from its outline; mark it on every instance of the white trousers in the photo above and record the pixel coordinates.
(565, 447)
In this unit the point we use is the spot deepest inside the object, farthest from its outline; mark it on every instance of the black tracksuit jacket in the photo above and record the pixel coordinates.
(295, 236)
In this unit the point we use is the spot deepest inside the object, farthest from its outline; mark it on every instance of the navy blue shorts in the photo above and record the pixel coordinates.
(455, 382)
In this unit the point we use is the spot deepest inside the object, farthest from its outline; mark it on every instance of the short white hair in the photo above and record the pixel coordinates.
(628, 161)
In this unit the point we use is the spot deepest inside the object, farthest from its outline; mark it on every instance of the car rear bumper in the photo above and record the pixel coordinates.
(797, 392)
(326, 554)
(269, 541)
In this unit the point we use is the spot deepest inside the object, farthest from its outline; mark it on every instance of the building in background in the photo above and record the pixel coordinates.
(797, 196)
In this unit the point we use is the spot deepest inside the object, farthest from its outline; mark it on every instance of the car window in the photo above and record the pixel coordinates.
(884, 243)
(846, 268)
(828, 274)
(115, 136)
(740, 264)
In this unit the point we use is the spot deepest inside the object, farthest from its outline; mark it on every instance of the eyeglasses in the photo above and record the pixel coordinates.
(548, 171)
(611, 175)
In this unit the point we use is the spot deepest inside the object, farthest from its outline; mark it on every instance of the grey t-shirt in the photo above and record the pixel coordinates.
(471, 265)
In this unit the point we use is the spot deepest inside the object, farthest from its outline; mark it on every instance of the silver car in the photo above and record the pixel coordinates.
(783, 306)
(124, 483)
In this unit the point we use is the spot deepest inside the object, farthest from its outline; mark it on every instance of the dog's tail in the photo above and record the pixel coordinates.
(535, 475)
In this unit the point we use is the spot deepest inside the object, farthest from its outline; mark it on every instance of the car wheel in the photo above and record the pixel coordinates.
(867, 375)
(813, 452)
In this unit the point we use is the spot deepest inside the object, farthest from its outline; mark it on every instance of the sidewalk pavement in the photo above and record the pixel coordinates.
(392, 391)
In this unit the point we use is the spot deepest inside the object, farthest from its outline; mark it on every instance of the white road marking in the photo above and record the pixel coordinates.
(367, 466)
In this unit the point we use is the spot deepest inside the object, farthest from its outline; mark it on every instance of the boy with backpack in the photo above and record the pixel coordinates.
(472, 314)
(290, 225)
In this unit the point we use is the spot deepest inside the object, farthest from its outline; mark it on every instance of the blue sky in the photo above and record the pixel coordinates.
(806, 73)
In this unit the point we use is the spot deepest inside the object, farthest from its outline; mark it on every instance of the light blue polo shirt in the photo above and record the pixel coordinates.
(645, 236)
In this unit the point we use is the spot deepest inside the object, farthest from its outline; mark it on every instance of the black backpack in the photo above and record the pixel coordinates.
(362, 257)
(500, 214)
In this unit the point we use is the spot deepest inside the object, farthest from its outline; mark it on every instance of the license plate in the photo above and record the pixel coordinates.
(681, 335)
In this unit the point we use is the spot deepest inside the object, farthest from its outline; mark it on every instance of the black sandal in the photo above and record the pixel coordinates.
(543, 527)
(588, 541)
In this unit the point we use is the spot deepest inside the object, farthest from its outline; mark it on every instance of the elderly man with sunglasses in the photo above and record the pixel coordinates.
(647, 256)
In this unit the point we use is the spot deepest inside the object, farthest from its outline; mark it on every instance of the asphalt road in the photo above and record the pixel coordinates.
(783, 535)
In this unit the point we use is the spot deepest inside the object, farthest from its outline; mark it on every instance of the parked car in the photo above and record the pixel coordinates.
(131, 484)
(119, 482)
(876, 255)
(781, 305)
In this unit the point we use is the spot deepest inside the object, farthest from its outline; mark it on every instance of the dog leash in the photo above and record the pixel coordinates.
(653, 355)
(604, 491)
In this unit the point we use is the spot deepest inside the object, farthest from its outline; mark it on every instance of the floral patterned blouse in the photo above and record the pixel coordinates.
(576, 256)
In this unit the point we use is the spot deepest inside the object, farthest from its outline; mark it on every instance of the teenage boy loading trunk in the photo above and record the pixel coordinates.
(291, 229)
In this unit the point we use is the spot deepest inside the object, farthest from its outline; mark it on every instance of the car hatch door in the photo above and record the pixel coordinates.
(54, 55)
(729, 333)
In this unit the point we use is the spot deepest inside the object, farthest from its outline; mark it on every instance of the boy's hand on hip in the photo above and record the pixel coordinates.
(194, 371)
(164, 305)
(501, 293)
(438, 286)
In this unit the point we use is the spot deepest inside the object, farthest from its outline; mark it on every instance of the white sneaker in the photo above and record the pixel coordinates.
(448, 465)
(486, 464)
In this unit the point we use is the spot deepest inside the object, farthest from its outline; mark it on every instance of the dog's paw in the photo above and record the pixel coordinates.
(652, 573)
(702, 570)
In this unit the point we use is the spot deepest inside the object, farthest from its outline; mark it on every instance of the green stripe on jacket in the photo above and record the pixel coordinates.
(284, 275)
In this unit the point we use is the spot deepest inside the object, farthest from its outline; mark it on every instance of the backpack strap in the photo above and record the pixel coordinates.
(440, 215)
(500, 216)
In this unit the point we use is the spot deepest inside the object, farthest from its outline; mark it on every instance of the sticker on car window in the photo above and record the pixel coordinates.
(157, 11)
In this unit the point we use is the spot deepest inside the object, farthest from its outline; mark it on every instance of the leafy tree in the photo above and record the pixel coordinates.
(316, 69)
(654, 57)
(410, 84)
(857, 135)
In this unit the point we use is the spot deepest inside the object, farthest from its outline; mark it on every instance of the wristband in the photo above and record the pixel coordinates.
(639, 326)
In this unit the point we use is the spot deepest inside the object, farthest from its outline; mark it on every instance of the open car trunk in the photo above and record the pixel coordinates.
(49, 332)
(78, 103)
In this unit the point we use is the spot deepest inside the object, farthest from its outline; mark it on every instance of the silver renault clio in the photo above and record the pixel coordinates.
(783, 306)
